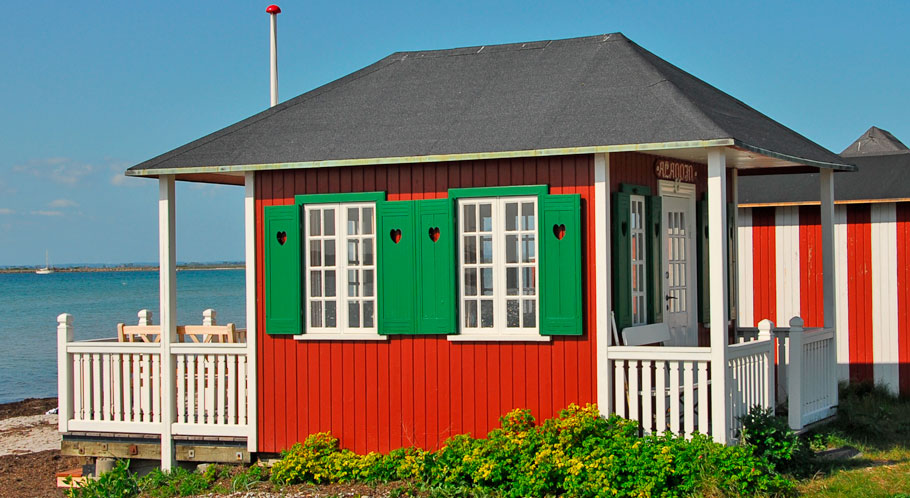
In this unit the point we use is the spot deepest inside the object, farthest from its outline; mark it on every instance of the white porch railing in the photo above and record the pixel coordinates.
(110, 386)
(806, 369)
(663, 388)
(751, 366)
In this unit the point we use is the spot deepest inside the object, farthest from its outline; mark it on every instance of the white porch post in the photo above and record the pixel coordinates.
(734, 256)
(249, 214)
(167, 256)
(721, 418)
(829, 263)
(604, 295)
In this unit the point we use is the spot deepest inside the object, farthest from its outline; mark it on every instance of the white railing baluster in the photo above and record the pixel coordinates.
(220, 378)
(96, 387)
(633, 390)
(156, 388)
(191, 389)
(232, 390)
(703, 393)
(660, 391)
(674, 396)
(647, 396)
(117, 374)
(619, 376)
(688, 399)
(242, 403)
(106, 384)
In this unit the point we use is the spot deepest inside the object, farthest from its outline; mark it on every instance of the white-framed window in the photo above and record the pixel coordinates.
(498, 266)
(340, 269)
(637, 241)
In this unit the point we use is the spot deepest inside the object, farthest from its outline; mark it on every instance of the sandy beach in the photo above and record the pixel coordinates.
(30, 449)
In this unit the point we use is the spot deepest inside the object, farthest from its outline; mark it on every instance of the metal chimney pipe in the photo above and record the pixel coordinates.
(273, 11)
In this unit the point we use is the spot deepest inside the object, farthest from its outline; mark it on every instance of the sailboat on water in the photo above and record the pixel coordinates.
(47, 267)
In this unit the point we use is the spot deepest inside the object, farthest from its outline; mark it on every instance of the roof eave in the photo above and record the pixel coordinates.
(795, 159)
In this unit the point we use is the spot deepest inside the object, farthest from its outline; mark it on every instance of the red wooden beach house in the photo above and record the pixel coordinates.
(444, 236)
(781, 235)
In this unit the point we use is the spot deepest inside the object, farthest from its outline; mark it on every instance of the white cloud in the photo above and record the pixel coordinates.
(58, 169)
(47, 212)
(62, 203)
(6, 211)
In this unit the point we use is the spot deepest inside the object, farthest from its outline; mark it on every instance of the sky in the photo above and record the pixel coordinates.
(89, 89)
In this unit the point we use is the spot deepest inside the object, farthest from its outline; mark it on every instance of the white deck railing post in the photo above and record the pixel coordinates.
(64, 371)
(795, 374)
(167, 246)
(249, 228)
(765, 328)
(145, 317)
(208, 317)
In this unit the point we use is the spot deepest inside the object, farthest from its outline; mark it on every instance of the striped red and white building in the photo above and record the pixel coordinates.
(780, 263)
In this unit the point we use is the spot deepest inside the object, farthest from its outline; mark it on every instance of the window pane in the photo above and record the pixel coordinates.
(469, 221)
(315, 253)
(353, 221)
(511, 248)
(486, 249)
(486, 314)
(329, 252)
(353, 283)
(330, 283)
(470, 250)
(330, 320)
(512, 282)
(315, 283)
(511, 216)
(354, 314)
(314, 222)
(368, 314)
(368, 252)
(513, 319)
(527, 249)
(470, 281)
(486, 281)
(367, 220)
(527, 216)
(353, 252)
(470, 313)
(368, 283)
(486, 217)
(329, 223)
(528, 281)
(316, 314)
(529, 312)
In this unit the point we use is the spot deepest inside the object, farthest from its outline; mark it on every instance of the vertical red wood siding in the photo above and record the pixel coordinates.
(420, 390)
(811, 270)
(764, 264)
(859, 290)
(903, 294)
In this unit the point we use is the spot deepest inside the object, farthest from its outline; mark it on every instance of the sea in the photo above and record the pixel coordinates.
(98, 301)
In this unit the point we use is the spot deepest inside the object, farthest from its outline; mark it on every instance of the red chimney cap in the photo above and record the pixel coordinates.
(273, 9)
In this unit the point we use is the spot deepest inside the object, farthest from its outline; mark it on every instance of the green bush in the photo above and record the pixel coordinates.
(578, 453)
(180, 482)
(772, 440)
(118, 483)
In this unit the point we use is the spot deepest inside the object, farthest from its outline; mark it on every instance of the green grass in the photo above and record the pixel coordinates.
(878, 425)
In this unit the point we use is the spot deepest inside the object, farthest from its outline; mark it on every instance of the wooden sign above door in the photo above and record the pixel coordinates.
(675, 171)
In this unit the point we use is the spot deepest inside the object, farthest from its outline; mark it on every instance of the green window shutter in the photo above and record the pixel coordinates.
(560, 265)
(701, 240)
(435, 239)
(397, 273)
(653, 234)
(622, 260)
(282, 235)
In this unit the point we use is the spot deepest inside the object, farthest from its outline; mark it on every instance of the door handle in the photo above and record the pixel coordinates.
(669, 297)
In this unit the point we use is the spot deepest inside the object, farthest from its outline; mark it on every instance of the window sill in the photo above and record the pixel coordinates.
(493, 337)
(340, 337)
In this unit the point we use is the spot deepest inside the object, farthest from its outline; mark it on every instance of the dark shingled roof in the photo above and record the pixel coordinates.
(595, 91)
(875, 142)
(882, 175)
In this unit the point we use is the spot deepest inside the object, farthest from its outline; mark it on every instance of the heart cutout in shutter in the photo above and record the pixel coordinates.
(282, 237)
(434, 233)
(559, 231)
(395, 234)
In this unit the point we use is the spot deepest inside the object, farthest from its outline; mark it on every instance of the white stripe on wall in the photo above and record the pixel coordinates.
(786, 220)
(842, 298)
(884, 296)
(746, 292)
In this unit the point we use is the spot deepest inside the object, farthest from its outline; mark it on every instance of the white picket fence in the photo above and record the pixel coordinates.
(808, 380)
(110, 386)
(751, 366)
(662, 387)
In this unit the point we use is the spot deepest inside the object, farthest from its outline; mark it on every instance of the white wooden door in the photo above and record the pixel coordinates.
(679, 264)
